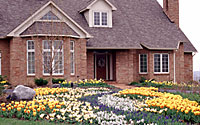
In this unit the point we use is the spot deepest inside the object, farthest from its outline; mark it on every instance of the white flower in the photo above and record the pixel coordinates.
(47, 117)
(63, 118)
(58, 116)
(42, 116)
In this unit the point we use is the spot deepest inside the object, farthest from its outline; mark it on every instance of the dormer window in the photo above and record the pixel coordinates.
(98, 13)
(100, 19)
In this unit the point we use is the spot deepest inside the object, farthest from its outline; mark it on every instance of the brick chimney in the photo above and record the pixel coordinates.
(171, 9)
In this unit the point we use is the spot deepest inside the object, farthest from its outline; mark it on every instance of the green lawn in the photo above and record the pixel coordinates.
(9, 121)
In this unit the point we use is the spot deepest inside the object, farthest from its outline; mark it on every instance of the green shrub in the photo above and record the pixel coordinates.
(134, 83)
(142, 79)
(56, 81)
(3, 80)
(41, 82)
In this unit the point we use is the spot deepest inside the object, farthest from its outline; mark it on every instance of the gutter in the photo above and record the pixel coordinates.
(3, 37)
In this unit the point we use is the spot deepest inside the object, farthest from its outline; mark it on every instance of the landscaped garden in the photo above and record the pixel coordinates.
(95, 102)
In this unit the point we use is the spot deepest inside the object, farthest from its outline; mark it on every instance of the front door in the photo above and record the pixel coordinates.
(101, 66)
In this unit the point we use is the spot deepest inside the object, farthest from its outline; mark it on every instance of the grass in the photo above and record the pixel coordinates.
(9, 121)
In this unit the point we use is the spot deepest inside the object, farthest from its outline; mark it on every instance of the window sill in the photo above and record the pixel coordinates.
(31, 75)
(101, 26)
(72, 74)
(143, 73)
(57, 75)
(161, 73)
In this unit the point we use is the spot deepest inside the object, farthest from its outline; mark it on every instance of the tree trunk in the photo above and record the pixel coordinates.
(50, 81)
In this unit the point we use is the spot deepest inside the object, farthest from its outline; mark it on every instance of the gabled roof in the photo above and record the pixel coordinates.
(89, 5)
(50, 6)
(135, 23)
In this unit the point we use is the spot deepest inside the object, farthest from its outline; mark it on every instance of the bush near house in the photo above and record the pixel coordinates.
(86, 83)
(166, 84)
(3, 83)
(41, 82)
(57, 81)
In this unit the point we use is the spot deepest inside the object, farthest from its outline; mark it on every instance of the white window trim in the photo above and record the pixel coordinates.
(49, 50)
(100, 18)
(161, 72)
(72, 51)
(32, 50)
(139, 64)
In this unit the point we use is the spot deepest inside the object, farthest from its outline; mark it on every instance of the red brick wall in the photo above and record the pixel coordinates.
(5, 57)
(180, 64)
(126, 70)
(127, 66)
(18, 61)
(90, 64)
(188, 64)
(127, 63)
(173, 10)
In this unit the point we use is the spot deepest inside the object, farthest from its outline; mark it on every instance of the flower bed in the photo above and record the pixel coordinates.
(165, 84)
(103, 106)
(177, 106)
(86, 83)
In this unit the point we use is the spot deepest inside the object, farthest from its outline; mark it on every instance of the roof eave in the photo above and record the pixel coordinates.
(122, 48)
(150, 48)
(28, 21)
(89, 6)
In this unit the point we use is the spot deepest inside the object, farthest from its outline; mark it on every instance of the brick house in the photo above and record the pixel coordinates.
(116, 40)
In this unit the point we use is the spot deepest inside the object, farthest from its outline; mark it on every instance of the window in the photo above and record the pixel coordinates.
(30, 57)
(161, 63)
(53, 57)
(104, 19)
(96, 18)
(143, 63)
(50, 16)
(72, 65)
(100, 18)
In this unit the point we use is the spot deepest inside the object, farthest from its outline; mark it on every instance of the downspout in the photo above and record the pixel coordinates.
(175, 66)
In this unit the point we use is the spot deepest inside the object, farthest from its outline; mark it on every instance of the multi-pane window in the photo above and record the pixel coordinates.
(100, 18)
(50, 16)
(53, 57)
(165, 63)
(72, 64)
(104, 18)
(161, 63)
(96, 18)
(143, 63)
(30, 57)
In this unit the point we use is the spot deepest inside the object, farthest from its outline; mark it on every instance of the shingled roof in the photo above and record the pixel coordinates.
(135, 23)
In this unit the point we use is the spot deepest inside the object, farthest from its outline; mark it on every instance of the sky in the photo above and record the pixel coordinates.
(190, 24)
